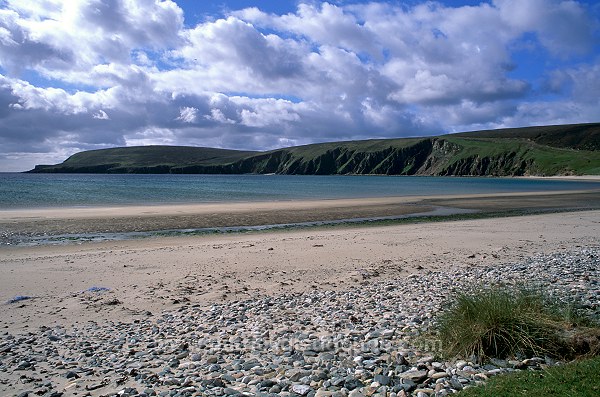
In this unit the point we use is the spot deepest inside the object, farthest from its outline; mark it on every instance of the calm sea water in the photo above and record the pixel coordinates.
(56, 190)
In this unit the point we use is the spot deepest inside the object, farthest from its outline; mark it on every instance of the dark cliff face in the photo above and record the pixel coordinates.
(427, 157)
(505, 165)
(341, 161)
(432, 156)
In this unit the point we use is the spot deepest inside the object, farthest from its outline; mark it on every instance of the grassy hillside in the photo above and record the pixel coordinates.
(574, 136)
(550, 150)
(541, 159)
(145, 159)
(153, 155)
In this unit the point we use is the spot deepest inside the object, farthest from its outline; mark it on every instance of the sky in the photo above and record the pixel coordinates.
(93, 74)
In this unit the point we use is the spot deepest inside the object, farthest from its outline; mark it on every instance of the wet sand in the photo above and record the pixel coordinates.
(59, 221)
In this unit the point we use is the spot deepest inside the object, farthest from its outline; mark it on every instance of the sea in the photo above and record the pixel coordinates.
(23, 191)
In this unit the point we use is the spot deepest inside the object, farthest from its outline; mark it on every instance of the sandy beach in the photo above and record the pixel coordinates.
(197, 303)
(154, 274)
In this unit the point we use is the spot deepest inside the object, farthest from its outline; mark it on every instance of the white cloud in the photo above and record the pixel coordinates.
(323, 24)
(74, 36)
(267, 112)
(563, 26)
(187, 114)
(151, 136)
(101, 115)
(218, 116)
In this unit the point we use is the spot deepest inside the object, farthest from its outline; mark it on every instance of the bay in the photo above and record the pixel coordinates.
(88, 190)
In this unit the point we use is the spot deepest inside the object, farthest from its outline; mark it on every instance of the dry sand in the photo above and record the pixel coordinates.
(150, 275)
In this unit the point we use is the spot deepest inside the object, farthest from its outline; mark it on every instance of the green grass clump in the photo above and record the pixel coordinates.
(511, 322)
(578, 378)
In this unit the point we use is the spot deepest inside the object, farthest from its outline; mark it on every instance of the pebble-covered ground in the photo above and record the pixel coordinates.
(359, 342)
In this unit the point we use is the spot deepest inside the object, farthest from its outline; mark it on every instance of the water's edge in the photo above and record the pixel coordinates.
(62, 239)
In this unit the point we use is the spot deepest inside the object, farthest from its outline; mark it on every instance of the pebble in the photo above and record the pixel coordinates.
(301, 389)
(354, 342)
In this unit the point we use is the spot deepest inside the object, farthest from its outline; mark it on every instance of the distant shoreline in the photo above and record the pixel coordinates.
(579, 178)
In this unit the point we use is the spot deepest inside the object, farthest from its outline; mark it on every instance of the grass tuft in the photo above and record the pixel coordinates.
(518, 322)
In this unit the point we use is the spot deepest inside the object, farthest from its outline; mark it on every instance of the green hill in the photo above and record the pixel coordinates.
(144, 159)
(576, 136)
(544, 151)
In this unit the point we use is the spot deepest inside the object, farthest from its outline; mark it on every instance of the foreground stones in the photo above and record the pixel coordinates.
(368, 341)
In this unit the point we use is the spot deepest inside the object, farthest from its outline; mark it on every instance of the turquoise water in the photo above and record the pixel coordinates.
(59, 190)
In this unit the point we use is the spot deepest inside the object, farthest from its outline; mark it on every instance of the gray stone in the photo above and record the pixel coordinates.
(71, 374)
(356, 393)
(338, 380)
(196, 357)
(214, 368)
(53, 393)
(407, 385)
(456, 384)
(424, 392)
(228, 378)
(382, 380)
(414, 375)
(352, 383)
(301, 389)
(323, 393)
(295, 374)
(460, 364)
(267, 383)
(212, 359)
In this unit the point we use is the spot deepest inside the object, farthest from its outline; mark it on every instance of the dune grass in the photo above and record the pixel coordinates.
(579, 378)
(520, 322)
(517, 322)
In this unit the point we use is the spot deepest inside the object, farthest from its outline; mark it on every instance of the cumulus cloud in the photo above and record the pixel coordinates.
(102, 73)
(562, 26)
(59, 35)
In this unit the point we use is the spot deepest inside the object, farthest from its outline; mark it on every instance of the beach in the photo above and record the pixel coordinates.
(140, 281)
(152, 273)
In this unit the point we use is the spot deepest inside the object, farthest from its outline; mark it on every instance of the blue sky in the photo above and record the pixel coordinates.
(260, 75)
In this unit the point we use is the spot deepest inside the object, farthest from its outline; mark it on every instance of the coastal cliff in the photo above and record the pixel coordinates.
(543, 151)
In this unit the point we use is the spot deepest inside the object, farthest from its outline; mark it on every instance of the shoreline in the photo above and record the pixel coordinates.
(437, 213)
(74, 221)
(579, 178)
